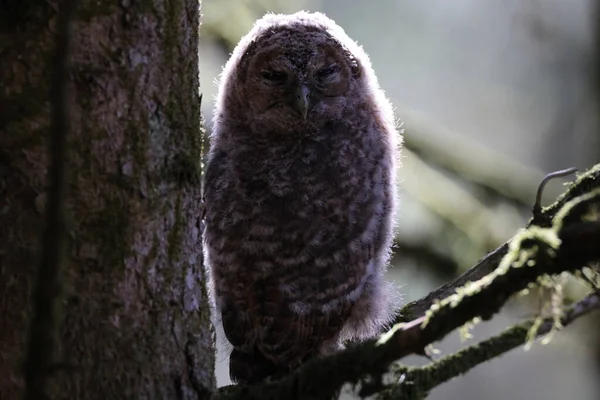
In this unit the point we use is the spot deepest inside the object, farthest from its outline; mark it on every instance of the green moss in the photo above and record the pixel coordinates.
(181, 110)
(145, 7)
(152, 254)
(406, 315)
(112, 230)
(390, 333)
(584, 183)
(418, 381)
(524, 250)
(172, 29)
(186, 166)
(174, 238)
(95, 9)
(204, 312)
(577, 209)
(139, 134)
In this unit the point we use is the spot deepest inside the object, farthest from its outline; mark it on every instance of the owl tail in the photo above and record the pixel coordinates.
(250, 366)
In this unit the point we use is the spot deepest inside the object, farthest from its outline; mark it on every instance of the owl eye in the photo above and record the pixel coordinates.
(275, 77)
(325, 73)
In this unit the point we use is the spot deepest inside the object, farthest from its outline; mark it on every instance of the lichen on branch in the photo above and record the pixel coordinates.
(416, 382)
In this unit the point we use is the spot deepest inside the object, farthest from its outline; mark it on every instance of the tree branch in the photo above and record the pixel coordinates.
(568, 244)
(43, 331)
(490, 262)
(418, 381)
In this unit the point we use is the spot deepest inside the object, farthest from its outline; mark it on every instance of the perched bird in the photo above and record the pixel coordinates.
(300, 194)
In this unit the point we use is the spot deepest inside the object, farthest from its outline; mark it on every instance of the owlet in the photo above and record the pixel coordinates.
(300, 195)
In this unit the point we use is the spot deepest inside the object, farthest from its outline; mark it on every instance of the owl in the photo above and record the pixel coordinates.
(300, 194)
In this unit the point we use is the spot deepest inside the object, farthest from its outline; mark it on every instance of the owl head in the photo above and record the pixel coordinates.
(293, 74)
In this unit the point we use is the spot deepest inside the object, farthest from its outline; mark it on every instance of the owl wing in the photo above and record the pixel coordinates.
(286, 329)
(321, 295)
(293, 329)
(235, 322)
(215, 167)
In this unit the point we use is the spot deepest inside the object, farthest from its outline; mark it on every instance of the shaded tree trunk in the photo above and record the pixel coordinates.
(135, 321)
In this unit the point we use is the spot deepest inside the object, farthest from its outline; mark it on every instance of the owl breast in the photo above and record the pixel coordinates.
(301, 205)
(294, 235)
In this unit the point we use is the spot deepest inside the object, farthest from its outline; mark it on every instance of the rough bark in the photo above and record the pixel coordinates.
(135, 320)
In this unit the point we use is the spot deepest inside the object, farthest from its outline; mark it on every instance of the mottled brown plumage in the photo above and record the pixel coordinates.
(300, 194)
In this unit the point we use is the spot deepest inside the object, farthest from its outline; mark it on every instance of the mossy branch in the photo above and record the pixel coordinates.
(562, 238)
(418, 381)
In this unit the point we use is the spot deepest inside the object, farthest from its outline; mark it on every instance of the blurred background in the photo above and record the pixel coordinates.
(493, 95)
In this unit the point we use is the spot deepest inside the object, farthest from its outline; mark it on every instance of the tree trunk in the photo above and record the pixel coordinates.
(135, 321)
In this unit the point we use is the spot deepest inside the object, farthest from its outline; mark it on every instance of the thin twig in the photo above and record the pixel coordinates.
(537, 207)
(43, 331)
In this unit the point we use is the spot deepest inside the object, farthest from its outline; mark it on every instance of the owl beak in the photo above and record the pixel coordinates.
(301, 100)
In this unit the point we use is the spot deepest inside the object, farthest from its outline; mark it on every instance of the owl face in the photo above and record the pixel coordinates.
(297, 81)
